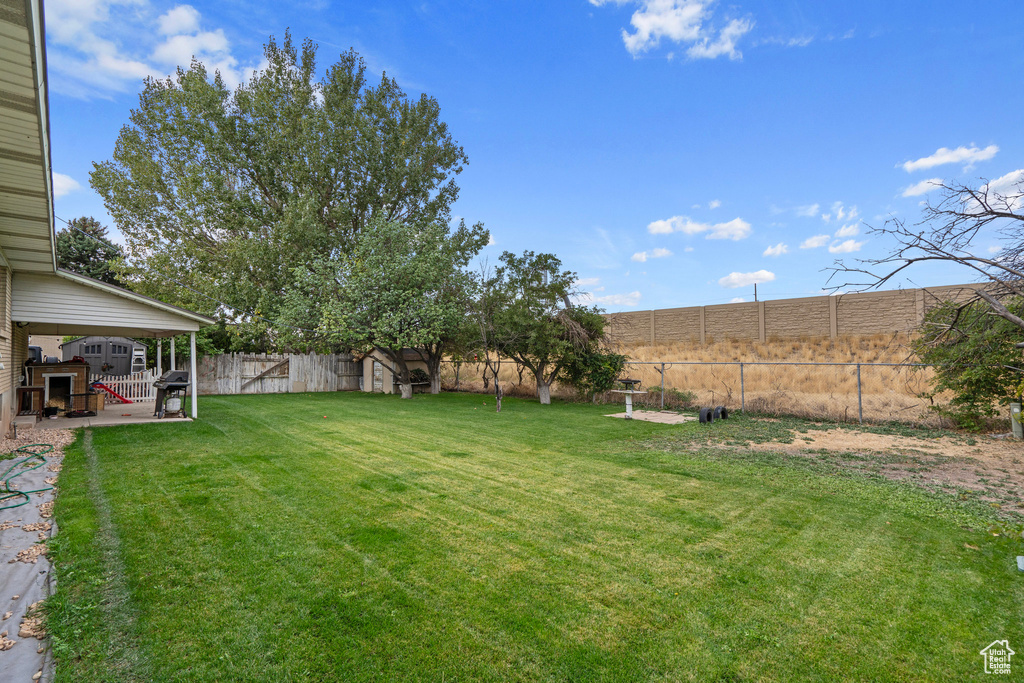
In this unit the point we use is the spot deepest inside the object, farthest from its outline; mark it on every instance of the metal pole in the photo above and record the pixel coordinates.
(663, 386)
(173, 362)
(159, 358)
(194, 376)
(860, 398)
(743, 395)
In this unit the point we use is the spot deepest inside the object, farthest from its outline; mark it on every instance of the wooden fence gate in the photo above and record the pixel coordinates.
(247, 373)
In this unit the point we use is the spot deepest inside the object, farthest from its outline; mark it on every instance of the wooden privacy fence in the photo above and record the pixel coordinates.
(135, 387)
(248, 373)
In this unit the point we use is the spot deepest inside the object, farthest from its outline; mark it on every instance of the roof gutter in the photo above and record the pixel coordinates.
(37, 40)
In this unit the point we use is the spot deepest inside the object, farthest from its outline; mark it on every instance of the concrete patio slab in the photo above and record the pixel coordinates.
(111, 416)
(665, 417)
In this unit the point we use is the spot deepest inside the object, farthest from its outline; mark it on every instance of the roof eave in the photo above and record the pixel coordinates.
(132, 296)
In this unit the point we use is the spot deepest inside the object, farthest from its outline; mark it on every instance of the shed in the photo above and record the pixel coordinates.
(116, 356)
(378, 374)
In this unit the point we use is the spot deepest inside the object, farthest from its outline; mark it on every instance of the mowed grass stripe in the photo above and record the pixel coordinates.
(424, 539)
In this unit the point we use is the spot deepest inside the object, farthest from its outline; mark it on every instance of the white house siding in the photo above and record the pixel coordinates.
(63, 307)
(7, 375)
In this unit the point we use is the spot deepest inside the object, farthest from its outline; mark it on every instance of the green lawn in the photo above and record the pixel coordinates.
(347, 537)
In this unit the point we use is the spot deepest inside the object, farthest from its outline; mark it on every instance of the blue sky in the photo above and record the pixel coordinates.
(671, 152)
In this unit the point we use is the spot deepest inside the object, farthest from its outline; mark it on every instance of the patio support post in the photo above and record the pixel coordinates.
(192, 376)
(159, 357)
(173, 365)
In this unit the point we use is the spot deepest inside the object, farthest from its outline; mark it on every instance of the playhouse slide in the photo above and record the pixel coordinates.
(104, 387)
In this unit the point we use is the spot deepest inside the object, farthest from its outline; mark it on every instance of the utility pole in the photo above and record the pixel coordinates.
(755, 292)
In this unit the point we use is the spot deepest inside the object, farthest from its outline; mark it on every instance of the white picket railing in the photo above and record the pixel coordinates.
(135, 387)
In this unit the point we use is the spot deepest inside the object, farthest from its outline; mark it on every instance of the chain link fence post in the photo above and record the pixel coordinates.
(860, 397)
(663, 386)
(743, 395)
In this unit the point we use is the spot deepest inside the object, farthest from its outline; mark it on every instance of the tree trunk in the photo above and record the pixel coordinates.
(404, 381)
(543, 388)
(434, 366)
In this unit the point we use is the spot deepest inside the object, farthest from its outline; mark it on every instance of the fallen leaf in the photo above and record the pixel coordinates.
(972, 547)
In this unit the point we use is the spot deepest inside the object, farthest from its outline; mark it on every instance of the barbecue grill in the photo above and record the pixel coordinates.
(171, 385)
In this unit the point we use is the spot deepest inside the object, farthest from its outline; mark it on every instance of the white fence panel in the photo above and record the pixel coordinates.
(136, 387)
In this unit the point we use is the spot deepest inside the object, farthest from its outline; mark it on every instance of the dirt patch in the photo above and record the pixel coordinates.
(992, 469)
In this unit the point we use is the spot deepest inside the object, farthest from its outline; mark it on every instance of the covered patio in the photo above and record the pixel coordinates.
(65, 303)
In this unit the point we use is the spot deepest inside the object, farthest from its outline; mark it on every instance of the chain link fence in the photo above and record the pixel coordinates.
(848, 392)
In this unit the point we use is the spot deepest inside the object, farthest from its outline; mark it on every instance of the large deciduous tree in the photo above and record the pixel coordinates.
(83, 247)
(535, 322)
(402, 286)
(229, 191)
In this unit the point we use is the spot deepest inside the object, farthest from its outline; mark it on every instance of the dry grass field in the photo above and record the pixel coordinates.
(710, 374)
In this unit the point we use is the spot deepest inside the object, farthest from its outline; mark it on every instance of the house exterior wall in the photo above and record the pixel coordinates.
(9, 376)
(48, 343)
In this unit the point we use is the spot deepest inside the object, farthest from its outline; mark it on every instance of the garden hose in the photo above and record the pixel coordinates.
(6, 493)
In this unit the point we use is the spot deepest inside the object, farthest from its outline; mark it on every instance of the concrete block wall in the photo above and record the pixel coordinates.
(817, 316)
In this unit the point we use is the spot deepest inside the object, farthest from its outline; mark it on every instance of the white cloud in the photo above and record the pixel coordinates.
(734, 280)
(1007, 192)
(177, 50)
(725, 44)
(181, 19)
(738, 300)
(845, 247)
(814, 242)
(944, 155)
(688, 249)
(923, 187)
(736, 229)
(491, 241)
(798, 41)
(851, 230)
(994, 249)
(778, 250)
(631, 299)
(99, 47)
(642, 256)
(841, 213)
(684, 22)
(714, 204)
(587, 282)
(808, 210)
(63, 184)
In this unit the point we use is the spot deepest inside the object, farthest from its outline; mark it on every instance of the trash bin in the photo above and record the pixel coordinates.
(1015, 418)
